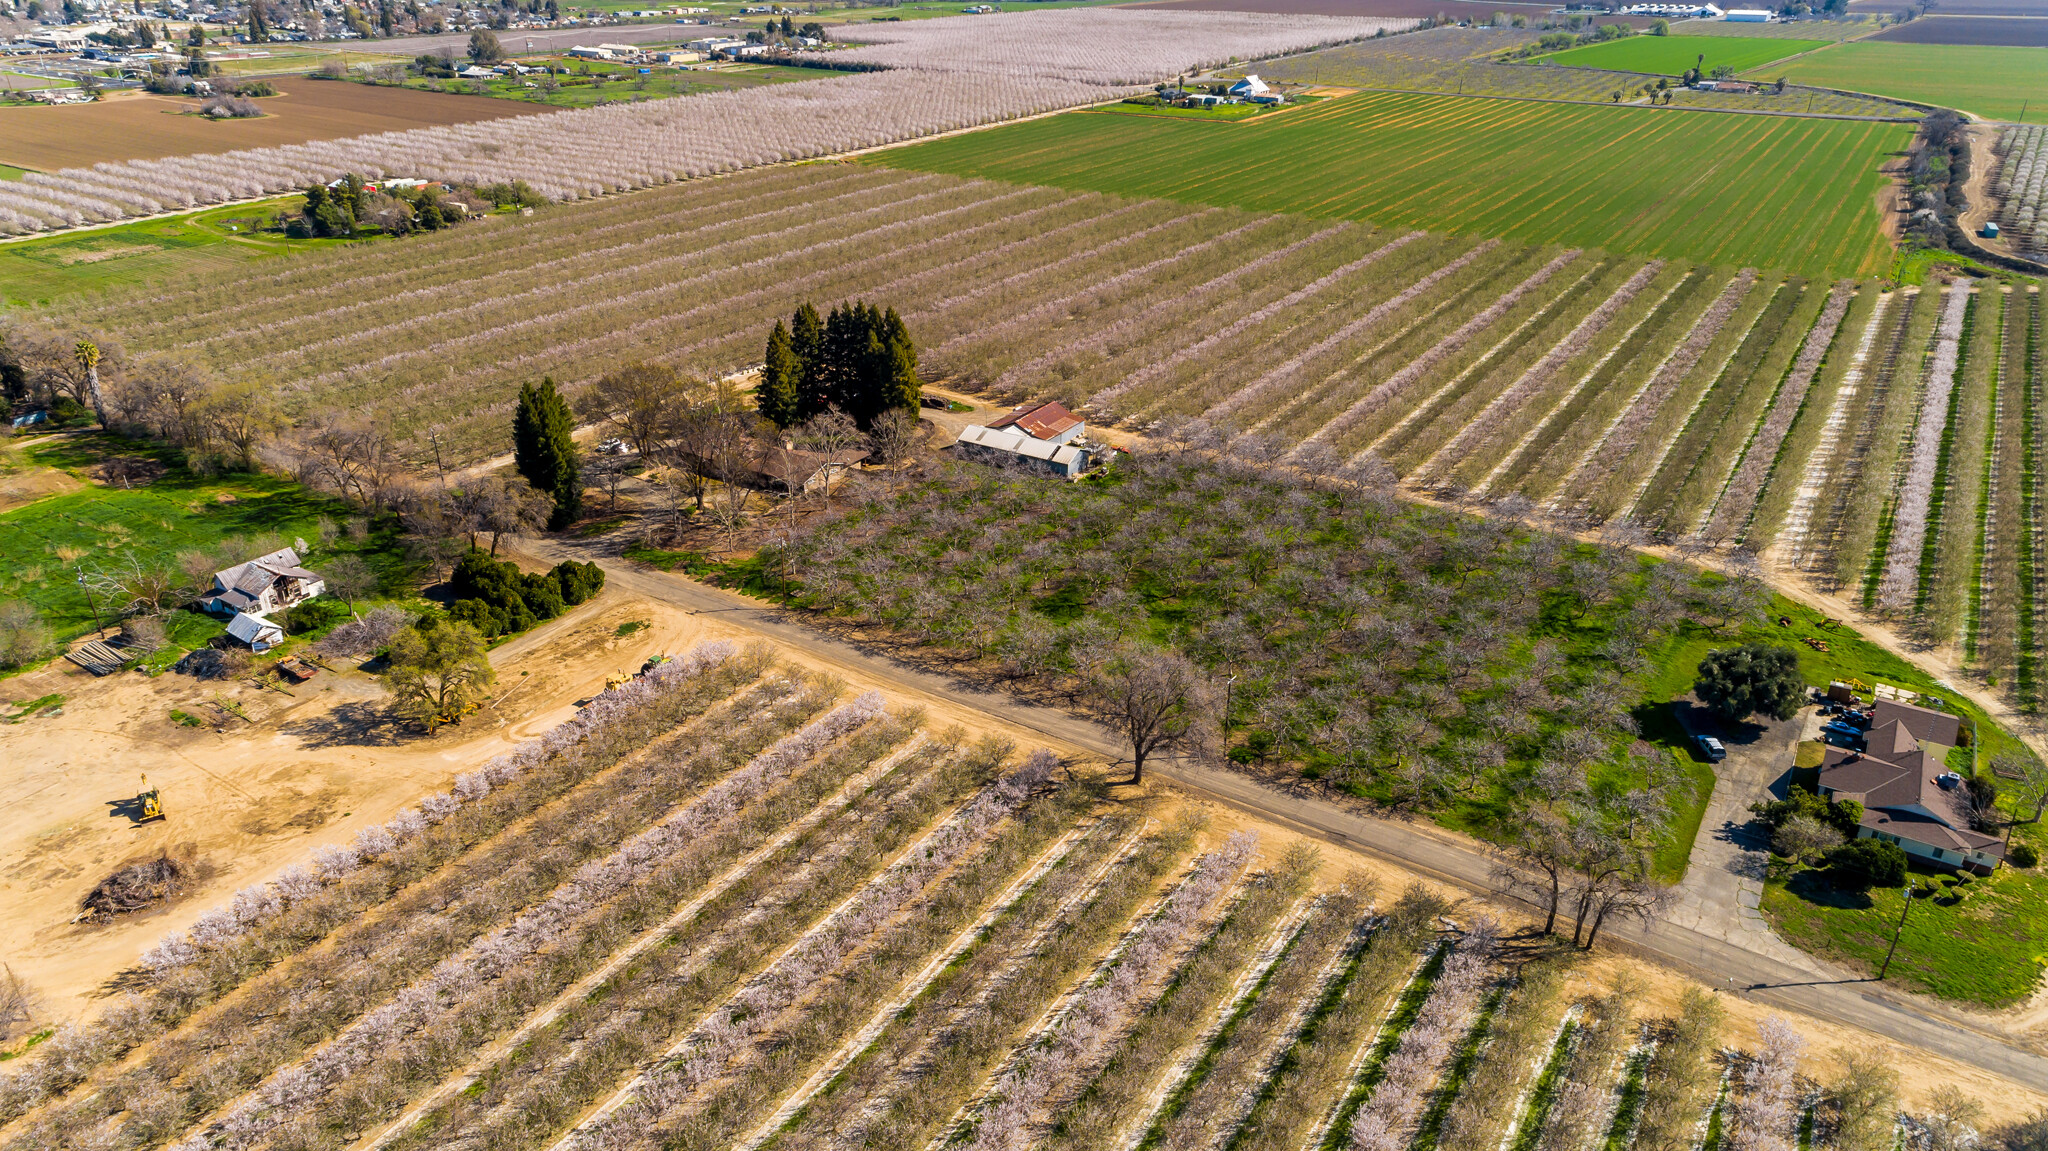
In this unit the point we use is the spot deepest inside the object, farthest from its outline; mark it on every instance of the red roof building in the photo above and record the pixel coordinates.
(1049, 421)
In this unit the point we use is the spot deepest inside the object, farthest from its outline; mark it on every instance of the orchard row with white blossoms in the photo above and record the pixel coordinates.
(259, 902)
(1111, 46)
(938, 82)
(2022, 184)
(293, 1090)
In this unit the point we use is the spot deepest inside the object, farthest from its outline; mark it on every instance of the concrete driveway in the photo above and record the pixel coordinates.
(1724, 882)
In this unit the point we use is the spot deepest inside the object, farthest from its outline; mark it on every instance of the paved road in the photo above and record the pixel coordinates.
(519, 40)
(1718, 962)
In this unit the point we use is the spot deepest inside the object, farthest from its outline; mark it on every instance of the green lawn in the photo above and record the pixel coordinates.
(1849, 656)
(1672, 55)
(1657, 182)
(10, 172)
(45, 544)
(1992, 82)
(1986, 947)
(214, 242)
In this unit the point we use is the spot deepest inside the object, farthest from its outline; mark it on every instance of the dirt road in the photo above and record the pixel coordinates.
(1971, 1040)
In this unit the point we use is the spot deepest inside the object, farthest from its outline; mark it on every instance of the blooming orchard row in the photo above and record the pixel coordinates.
(942, 86)
(2021, 184)
(1110, 46)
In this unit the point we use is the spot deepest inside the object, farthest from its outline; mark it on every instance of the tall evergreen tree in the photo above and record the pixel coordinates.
(807, 343)
(544, 452)
(900, 387)
(778, 397)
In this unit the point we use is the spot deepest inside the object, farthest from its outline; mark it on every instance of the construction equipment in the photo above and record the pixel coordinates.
(150, 802)
(653, 661)
(616, 679)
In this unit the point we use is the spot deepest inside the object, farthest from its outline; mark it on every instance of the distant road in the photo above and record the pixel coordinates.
(519, 40)
(1914, 1021)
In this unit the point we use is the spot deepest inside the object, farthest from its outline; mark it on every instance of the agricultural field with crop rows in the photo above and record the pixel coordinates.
(1462, 61)
(1993, 82)
(1625, 179)
(939, 84)
(727, 906)
(1673, 55)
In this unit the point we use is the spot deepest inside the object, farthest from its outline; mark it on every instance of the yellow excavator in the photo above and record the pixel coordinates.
(151, 803)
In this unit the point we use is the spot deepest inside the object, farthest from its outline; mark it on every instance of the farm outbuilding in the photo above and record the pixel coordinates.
(1003, 446)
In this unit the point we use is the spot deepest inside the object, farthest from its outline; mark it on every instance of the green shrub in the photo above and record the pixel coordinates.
(1862, 864)
(2022, 855)
(313, 615)
(498, 599)
(1842, 815)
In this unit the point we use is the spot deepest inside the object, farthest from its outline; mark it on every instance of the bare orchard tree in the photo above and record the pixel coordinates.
(167, 396)
(1537, 863)
(703, 441)
(1156, 700)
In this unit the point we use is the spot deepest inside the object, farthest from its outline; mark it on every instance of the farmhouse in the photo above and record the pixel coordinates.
(1249, 86)
(1907, 797)
(1049, 421)
(262, 585)
(1011, 447)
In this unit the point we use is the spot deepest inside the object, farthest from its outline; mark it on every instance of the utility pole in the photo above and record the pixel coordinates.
(1911, 888)
(89, 604)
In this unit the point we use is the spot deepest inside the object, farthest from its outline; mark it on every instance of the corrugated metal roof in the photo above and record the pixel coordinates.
(1045, 421)
(1018, 444)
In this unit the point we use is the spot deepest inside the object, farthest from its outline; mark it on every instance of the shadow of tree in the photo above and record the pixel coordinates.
(1812, 886)
(353, 725)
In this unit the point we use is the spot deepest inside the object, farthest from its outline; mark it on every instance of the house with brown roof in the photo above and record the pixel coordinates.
(1049, 421)
(780, 467)
(1926, 724)
(1909, 799)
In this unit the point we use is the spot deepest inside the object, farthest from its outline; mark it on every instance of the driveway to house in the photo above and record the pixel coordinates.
(1732, 964)
(1724, 880)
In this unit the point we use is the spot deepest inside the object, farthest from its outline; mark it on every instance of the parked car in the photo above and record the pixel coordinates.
(1712, 748)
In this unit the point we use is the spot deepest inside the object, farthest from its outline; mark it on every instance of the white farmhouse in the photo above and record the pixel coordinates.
(1249, 86)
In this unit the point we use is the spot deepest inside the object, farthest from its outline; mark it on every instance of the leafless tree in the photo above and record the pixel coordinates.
(499, 505)
(17, 1003)
(242, 416)
(608, 472)
(1155, 699)
(147, 587)
(349, 578)
(2027, 780)
(1537, 863)
(895, 436)
(637, 400)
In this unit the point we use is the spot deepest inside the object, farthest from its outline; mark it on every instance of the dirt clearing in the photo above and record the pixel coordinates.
(141, 126)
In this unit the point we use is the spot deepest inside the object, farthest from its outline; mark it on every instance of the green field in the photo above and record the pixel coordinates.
(1992, 82)
(92, 527)
(217, 241)
(1666, 183)
(1672, 55)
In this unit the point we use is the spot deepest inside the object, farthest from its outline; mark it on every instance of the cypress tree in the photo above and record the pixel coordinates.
(778, 397)
(807, 343)
(900, 386)
(543, 451)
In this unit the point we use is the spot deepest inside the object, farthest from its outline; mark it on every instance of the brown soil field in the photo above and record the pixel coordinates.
(1456, 9)
(2010, 31)
(141, 126)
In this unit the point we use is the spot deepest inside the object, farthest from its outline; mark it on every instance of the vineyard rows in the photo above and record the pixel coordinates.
(941, 85)
(725, 907)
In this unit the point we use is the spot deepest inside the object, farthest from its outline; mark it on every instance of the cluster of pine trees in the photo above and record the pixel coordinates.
(859, 360)
(544, 452)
